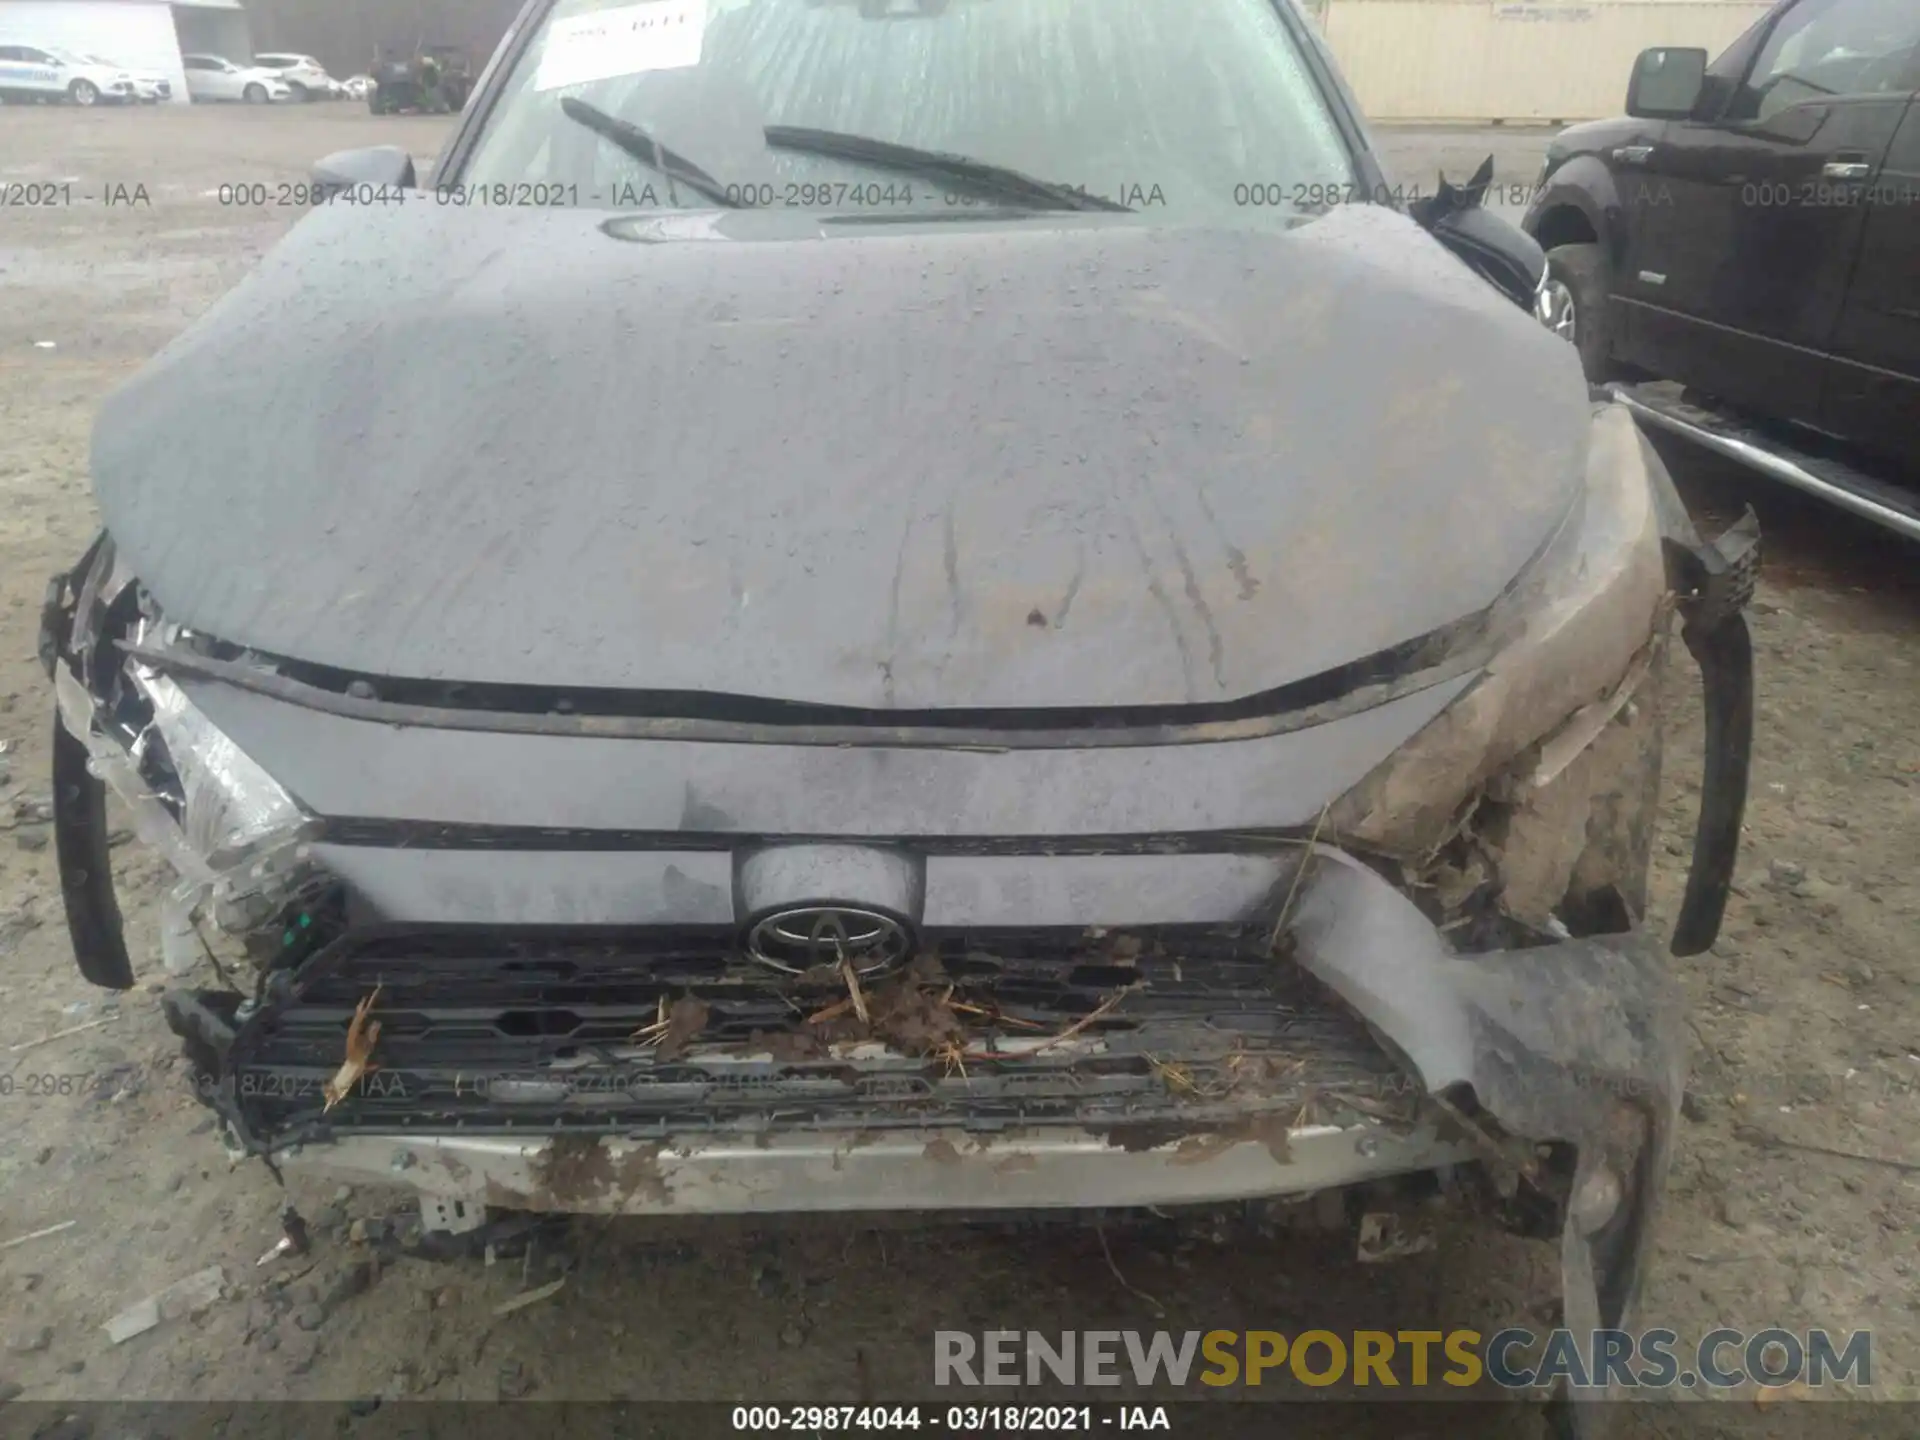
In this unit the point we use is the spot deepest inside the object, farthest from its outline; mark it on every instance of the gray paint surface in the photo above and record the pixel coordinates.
(1065, 461)
(339, 767)
(693, 887)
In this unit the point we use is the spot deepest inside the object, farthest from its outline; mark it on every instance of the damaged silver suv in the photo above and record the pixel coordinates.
(903, 606)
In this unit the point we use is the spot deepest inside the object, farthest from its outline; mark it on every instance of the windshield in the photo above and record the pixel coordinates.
(1165, 106)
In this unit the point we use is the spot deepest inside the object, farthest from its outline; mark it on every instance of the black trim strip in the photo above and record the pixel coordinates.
(1719, 579)
(86, 866)
(1445, 654)
(381, 833)
(1725, 657)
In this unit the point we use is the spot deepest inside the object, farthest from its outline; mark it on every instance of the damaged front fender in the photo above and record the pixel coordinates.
(1561, 731)
(1578, 1043)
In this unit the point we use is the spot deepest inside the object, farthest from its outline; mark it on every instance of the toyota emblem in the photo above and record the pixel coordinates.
(798, 939)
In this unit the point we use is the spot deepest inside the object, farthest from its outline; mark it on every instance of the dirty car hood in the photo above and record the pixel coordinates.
(1083, 462)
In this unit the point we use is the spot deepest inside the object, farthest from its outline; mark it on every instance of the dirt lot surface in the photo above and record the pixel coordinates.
(1805, 1014)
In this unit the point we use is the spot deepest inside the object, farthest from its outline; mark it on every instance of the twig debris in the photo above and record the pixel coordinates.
(529, 1297)
(38, 1234)
(362, 1035)
(854, 992)
(1092, 1017)
(59, 1035)
(1159, 1310)
(1767, 1140)
(1293, 888)
(676, 1027)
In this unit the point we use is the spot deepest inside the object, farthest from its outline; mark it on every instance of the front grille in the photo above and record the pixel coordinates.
(492, 1032)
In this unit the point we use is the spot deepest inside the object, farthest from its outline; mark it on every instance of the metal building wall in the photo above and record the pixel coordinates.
(214, 30)
(1474, 61)
(343, 34)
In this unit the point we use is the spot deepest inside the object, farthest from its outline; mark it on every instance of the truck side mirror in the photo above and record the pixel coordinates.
(1666, 83)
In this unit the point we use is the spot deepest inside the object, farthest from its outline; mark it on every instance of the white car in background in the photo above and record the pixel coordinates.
(150, 87)
(306, 77)
(47, 72)
(212, 77)
(357, 87)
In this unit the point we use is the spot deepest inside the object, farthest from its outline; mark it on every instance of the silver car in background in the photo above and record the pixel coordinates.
(214, 77)
(150, 87)
(305, 76)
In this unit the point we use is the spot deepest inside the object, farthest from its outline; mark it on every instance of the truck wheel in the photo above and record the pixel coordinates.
(83, 92)
(1579, 285)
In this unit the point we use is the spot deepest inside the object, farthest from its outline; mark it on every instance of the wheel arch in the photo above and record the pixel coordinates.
(1579, 205)
(1565, 224)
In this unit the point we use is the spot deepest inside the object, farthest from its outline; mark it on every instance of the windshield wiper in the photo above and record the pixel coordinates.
(649, 151)
(963, 173)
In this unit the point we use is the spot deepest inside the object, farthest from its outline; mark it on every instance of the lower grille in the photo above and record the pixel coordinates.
(492, 1032)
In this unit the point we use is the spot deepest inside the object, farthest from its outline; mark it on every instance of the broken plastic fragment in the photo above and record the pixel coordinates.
(183, 1297)
(180, 945)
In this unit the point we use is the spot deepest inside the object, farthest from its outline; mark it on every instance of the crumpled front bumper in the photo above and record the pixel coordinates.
(1577, 1045)
(1558, 1064)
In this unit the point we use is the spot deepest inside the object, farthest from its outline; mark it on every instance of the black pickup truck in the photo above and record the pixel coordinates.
(1739, 256)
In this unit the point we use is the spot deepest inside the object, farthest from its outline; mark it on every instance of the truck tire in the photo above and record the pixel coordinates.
(1582, 275)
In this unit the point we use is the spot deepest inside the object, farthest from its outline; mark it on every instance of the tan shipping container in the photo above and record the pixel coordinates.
(1476, 61)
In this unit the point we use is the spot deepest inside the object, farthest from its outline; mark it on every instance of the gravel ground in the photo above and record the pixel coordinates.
(1804, 1014)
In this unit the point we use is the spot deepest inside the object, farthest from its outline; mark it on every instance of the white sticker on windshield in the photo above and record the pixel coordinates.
(603, 44)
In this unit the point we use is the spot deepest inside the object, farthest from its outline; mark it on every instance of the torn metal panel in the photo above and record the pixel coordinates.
(1581, 822)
